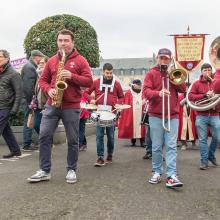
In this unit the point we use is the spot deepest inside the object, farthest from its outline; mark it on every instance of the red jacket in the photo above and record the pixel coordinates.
(81, 76)
(198, 91)
(115, 97)
(84, 113)
(216, 82)
(151, 90)
(126, 121)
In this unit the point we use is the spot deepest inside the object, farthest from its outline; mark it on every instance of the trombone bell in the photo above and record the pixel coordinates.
(177, 76)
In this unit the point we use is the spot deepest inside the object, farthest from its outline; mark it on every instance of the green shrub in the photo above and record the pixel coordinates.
(18, 119)
(42, 36)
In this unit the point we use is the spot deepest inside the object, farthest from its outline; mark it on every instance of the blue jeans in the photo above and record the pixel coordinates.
(202, 124)
(49, 123)
(82, 128)
(148, 141)
(159, 138)
(37, 120)
(110, 131)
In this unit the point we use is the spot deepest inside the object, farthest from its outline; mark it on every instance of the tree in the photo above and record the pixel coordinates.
(42, 36)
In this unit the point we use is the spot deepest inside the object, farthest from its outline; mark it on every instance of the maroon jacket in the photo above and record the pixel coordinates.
(115, 97)
(81, 76)
(216, 82)
(198, 91)
(151, 90)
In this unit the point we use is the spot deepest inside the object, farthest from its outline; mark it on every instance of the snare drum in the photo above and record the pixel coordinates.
(103, 118)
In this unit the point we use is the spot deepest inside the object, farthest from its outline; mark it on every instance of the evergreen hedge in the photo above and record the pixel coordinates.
(42, 36)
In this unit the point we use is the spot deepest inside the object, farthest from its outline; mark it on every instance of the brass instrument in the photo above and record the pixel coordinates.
(60, 85)
(203, 104)
(209, 102)
(145, 117)
(176, 77)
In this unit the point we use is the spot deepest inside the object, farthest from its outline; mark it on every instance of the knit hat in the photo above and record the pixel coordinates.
(136, 81)
(35, 53)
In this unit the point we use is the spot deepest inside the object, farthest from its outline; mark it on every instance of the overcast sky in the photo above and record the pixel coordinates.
(125, 28)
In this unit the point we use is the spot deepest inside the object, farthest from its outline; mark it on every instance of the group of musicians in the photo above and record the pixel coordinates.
(157, 92)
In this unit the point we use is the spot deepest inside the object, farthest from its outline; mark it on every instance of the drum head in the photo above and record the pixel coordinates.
(104, 115)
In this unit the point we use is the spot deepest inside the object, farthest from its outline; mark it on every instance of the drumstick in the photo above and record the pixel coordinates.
(99, 97)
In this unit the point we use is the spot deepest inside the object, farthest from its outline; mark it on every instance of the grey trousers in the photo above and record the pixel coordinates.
(49, 123)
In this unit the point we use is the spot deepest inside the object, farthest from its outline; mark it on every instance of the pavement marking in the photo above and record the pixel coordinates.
(24, 155)
(15, 158)
(12, 160)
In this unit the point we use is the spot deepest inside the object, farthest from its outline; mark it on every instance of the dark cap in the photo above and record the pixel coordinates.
(35, 53)
(205, 66)
(136, 81)
(164, 52)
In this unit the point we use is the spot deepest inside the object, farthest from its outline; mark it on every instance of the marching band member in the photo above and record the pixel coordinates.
(216, 82)
(108, 93)
(84, 115)
(203, 88)
(129, 126)
(69, 66)
(187, 127)
(153, 91)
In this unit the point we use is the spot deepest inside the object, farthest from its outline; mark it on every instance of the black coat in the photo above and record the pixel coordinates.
(29, 78)
(10, 89)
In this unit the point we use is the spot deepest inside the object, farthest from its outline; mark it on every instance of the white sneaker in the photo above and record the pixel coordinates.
(40, 175)
(173, 181)
(71, 177)
(156, 178)
(183, 147)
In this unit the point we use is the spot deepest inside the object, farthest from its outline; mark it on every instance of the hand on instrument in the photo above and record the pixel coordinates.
(66, 74)
(210, 94)
(93, 101)
(52, 93)
(165, 91)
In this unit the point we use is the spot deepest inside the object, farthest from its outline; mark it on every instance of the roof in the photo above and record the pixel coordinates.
(129, 63)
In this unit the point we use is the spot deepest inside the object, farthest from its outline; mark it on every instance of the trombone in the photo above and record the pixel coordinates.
(176, 77)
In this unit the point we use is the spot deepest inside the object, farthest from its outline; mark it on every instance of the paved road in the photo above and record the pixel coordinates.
(117, 191)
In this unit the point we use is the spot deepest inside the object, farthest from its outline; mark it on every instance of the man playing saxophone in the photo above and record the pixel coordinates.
(70, 68)
(203, 89)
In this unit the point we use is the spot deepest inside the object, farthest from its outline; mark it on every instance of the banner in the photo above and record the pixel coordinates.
(18, 63)
(189, 51)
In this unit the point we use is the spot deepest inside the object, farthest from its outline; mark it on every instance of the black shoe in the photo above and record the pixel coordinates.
(147, 156)
(133, 142)
(213, 161)
(12, 154)
(82, 147)
(29, 148)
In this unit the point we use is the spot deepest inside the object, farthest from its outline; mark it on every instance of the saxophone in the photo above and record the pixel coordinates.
(60, 85)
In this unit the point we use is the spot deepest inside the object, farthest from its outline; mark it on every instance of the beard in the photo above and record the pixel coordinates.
(107, 81)
(136, 90)
(163, 67)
